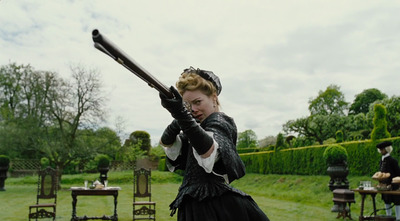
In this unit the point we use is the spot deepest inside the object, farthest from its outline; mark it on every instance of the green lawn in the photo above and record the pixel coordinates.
(281, 197)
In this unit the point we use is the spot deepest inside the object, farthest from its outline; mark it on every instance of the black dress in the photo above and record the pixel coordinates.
(208, 196)
(390, 165)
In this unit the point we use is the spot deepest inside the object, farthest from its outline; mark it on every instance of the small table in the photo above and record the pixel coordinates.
(81, 191)
(342, 197)
(373, 193)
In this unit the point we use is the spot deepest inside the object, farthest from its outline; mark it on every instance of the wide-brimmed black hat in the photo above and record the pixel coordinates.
(384, 144)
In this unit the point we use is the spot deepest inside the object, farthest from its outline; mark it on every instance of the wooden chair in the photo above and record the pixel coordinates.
(46, 197)
(144, 209)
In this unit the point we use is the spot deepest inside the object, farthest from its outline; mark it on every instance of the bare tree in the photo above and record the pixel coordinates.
(74, 105)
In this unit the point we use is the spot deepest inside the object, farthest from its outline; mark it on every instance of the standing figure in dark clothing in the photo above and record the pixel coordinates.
(201, 140)
(389, 165)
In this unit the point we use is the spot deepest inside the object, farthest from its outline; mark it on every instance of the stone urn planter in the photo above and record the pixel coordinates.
(4, 166)
(103, 167)
(338, 174)
(336, 158)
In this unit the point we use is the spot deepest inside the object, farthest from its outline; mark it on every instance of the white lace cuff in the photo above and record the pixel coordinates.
(173, 151)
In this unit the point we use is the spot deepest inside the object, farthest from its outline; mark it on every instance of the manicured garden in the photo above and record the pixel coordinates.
(281, 197)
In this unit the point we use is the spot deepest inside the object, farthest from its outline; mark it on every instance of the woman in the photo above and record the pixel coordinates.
(206, 151)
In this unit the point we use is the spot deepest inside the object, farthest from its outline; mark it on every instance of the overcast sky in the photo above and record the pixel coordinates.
(271, 56)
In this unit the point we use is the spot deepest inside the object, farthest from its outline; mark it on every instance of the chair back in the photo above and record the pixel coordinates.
(46, 192)
(142, 183)
(47, 184)
(142, 189)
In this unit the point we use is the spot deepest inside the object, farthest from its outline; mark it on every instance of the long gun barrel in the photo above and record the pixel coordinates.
(106, 46)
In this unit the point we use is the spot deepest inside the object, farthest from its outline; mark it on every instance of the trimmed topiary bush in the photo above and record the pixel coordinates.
(4, 161)
(103, 162)
(335, 154)
(103, 166)
(380, 124)
(162, 165)
(339, 136)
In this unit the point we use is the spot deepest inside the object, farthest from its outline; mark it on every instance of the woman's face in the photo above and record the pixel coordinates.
(201, 105)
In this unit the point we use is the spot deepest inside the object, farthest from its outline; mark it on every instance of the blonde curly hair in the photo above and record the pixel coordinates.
(191, 81)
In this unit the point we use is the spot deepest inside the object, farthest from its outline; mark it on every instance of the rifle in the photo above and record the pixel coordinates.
(107, 47)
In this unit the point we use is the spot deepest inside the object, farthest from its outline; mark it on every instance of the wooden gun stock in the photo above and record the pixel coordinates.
(106, 46)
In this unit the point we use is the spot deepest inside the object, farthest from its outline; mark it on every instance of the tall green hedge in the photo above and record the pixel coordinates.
(363, 159)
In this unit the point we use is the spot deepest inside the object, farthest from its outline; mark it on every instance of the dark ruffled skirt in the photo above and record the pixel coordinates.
(228, 207)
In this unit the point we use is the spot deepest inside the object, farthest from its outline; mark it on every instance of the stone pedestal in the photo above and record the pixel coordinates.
(3, 177)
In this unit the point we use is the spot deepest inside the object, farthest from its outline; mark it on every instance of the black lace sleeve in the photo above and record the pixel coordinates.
(225, 134)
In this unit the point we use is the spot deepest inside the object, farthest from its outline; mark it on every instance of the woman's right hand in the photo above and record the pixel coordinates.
(170, 133)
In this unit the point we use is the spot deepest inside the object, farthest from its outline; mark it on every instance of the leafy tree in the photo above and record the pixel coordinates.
(131, 152)
(364, 99)
(247, 138)
(311, 127)
(140, 136)
(43, 115)
(92, 142)
(357, 122)
(380, 123)
(298, 126)
(11, 77)
(334, 123)
(330, 101)
(302, 141)
(318, 127)
(393, 115)
(357, 127)
(23, 109)
(327, 117)
(107, 142)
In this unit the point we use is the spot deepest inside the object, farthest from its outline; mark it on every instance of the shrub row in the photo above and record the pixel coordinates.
(363, 159)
